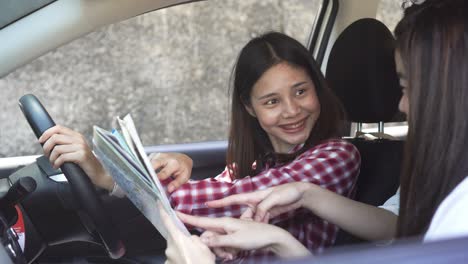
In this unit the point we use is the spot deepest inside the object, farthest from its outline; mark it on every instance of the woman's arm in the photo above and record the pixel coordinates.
(183, 249)
(247, 235)
(333, 165)
(362, 220)
(177, 166)
(62, 144)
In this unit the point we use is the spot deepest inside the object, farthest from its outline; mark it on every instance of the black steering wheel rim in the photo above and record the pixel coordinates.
(80, 184)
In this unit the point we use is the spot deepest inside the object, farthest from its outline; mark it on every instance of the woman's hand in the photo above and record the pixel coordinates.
(175, 165)
(62, 145)
(267, 203)
(223, 253)
(362, 220)
(182, 249)
(246, 235)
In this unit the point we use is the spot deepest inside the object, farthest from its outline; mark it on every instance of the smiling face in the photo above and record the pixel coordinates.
(286, 105)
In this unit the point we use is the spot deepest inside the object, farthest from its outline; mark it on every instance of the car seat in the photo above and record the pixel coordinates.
(361, 71)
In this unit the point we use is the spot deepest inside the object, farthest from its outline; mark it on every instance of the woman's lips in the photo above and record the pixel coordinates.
(294, 127)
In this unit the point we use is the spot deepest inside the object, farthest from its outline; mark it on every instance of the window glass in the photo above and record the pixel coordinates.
(389, 12)
(169, 68)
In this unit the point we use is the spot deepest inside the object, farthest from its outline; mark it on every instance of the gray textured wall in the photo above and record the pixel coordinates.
(169, 68)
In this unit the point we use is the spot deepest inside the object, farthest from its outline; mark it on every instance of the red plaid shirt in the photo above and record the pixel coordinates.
(333, 164)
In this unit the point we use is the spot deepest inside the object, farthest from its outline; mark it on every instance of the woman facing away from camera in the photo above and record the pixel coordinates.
(433, 48)
(432, 62)
(285, 125)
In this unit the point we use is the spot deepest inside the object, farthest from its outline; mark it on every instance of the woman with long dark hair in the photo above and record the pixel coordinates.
(285, 126)
(432, 62)
(432, 42)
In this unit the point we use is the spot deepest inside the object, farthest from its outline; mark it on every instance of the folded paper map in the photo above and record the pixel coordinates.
(122, 155)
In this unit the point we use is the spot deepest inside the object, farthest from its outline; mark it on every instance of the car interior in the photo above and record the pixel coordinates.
(369, 90)
(69, 221)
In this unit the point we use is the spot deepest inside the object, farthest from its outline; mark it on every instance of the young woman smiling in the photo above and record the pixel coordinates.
(285, 125)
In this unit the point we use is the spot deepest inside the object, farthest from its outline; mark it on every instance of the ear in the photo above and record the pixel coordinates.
(250, 110)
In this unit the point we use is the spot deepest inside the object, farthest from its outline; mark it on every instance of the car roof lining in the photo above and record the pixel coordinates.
(63, 21)
(12, 10)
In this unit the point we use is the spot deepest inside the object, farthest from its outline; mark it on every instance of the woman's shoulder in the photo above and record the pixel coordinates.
(451, 217)
(334, 146)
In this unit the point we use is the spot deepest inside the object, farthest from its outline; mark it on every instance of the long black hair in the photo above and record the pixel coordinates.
(432, 40)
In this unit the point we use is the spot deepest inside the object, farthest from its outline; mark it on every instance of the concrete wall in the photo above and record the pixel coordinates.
(169, 68)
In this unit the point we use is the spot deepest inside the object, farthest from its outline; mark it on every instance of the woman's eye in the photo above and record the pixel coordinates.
(271, 102)
(300, 92)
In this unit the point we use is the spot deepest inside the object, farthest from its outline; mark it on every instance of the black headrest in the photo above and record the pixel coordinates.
(361, 71)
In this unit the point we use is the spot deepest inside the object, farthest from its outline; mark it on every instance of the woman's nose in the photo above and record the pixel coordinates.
(291, 109)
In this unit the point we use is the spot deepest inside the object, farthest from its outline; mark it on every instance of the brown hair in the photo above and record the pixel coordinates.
(432, 39)
(248, 142)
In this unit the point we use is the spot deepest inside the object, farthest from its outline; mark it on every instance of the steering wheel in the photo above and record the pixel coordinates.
(80, 184)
